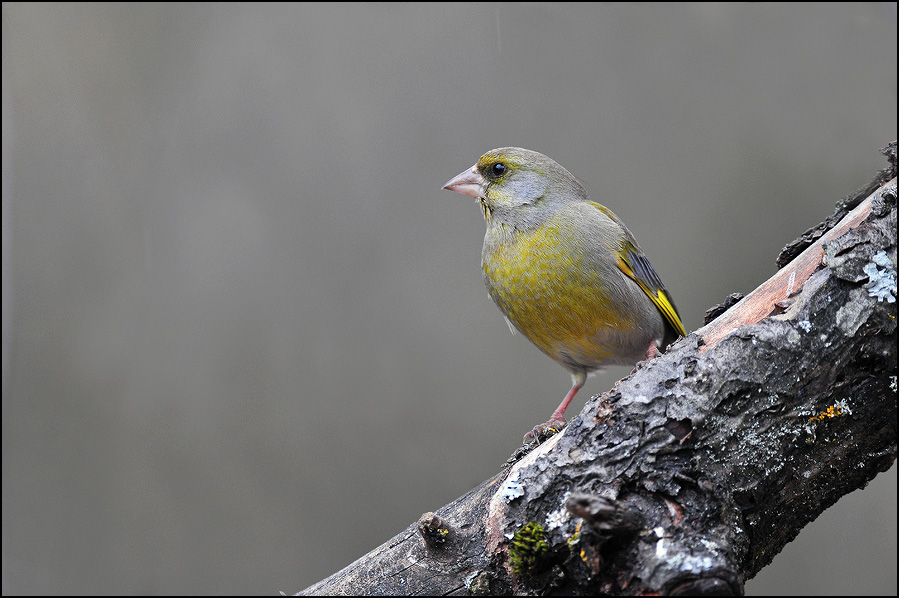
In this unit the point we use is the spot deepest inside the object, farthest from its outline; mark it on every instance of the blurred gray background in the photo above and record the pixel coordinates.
(245, 336)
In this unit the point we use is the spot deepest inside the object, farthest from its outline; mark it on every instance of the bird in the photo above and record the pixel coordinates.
(564, 270)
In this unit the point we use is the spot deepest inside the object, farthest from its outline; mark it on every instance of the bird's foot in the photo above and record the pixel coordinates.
(544, 431)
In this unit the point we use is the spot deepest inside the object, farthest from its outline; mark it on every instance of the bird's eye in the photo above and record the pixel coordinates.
(498, 169)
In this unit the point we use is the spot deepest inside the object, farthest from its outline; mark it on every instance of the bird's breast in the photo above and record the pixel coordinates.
(556, 293)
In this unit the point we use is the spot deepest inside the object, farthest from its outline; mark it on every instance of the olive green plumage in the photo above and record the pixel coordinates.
(565, 270)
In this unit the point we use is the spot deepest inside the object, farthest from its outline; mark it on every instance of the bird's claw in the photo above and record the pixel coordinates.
(542, 432)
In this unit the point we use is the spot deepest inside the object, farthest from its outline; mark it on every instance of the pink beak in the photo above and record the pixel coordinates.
(469, 182)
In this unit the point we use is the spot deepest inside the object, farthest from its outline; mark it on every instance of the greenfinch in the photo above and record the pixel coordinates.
(564, 270)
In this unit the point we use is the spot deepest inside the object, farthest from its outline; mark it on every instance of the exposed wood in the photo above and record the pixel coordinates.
(764, 300)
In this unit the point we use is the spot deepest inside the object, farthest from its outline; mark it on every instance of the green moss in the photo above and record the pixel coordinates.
(528, 548)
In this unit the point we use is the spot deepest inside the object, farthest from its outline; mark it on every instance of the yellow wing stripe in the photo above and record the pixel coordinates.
(664, 304)
(658, 296)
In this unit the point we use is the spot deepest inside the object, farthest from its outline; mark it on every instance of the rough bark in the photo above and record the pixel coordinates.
(692, 473)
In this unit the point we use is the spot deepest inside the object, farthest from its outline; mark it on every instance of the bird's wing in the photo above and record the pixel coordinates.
(636, 266)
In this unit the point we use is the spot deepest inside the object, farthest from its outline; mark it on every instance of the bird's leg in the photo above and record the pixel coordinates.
(651, 353)
(557, 419)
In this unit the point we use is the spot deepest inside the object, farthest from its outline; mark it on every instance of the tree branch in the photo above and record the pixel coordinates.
(692, 473)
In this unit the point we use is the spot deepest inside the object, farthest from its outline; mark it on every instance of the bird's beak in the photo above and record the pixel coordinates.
(469, 182)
